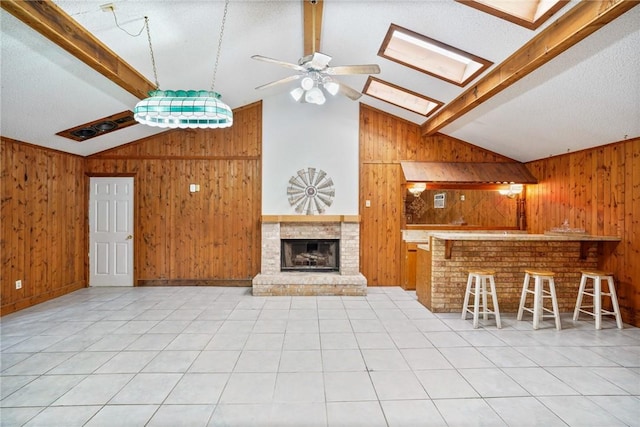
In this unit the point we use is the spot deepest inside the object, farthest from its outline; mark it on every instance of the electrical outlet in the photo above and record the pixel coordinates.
(18, 284)
(108, 7)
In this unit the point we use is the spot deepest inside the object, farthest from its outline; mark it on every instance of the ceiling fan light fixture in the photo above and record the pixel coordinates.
(307, 83)
(297, 93)
(315, 96)
(332, 87)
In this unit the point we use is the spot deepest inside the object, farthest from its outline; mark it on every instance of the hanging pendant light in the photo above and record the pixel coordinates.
(185, 108)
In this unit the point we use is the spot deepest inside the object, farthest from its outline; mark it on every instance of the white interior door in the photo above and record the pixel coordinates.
(111, 232)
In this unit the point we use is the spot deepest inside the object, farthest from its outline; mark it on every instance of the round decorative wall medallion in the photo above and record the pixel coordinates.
(310, 191)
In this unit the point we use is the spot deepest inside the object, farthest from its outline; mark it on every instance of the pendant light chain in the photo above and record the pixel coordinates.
(153, 59)
(215, 68)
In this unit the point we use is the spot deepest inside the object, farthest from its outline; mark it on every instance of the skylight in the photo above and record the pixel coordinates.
(401, 97)
(527, 13)
(431, 56)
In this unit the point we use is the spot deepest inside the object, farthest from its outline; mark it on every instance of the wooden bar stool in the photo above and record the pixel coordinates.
(596, 293)
(539, 295)
(477, 286)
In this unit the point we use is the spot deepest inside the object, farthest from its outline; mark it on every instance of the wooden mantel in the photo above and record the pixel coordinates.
(310, 218)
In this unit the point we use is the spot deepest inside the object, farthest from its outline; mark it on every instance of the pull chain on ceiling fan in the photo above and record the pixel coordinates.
(314, 71)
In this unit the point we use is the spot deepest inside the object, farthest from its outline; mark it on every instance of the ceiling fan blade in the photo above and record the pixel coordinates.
(281, 81)
(353, 69)
(349, 92)
(278, 62)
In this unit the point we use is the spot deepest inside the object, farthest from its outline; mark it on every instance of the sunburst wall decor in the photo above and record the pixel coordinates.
(310, 191)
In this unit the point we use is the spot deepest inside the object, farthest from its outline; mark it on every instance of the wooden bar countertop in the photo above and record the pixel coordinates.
(449, 238)
(574, 237)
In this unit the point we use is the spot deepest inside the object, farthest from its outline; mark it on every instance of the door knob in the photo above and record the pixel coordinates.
(129, 237)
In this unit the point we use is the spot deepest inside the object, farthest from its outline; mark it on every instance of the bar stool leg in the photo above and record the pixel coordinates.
(537, 301)
(496, 310)
(466, 297)
(523, 297)
(554, 303)
(614, 302)
(583, 284)
(476, 302)
(485, 315)
(597, 301)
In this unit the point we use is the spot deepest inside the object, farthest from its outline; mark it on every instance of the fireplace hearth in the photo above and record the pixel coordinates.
(310, 255)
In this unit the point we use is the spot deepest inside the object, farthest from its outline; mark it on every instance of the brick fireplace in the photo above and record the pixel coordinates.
(345, 229)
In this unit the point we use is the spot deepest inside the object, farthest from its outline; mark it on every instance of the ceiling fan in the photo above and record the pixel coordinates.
(314, 71)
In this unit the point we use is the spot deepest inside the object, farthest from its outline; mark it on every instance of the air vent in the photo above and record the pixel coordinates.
(99, 127)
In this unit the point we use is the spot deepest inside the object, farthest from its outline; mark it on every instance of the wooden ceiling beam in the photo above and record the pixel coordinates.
(584, 19)
(52, 22)
(312, 12)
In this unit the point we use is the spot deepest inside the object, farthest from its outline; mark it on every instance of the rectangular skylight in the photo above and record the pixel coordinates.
(431, 56)
(401, 97)
(527, 13)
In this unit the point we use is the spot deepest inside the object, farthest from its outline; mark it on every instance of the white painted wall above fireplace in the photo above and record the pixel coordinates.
(293, 139)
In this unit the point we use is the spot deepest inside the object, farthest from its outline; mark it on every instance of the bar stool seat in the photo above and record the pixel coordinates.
(595, 292)
(538, 309)
(477, 286)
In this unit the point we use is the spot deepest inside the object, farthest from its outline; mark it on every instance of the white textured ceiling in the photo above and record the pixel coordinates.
(587, 96)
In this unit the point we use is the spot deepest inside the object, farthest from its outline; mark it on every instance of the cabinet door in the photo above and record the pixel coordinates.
(409, 279)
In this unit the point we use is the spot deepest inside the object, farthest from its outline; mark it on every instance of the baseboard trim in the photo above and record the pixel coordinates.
(195, 282)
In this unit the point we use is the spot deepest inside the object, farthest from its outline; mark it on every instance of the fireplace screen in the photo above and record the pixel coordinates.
(310, 255)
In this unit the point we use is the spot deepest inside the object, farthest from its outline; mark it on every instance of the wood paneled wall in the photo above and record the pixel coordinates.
(385, 141)
(43, 224)
(211, 236)
(598, 190)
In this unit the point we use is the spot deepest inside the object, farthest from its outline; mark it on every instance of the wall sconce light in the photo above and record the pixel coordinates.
(512, 191)
(417, 189)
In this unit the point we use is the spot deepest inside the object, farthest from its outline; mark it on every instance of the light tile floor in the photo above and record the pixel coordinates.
(206, 356)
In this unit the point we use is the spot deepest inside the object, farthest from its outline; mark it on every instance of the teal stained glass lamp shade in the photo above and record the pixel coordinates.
(183, 109)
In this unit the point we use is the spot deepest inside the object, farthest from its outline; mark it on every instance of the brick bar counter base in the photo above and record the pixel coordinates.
(442, 272)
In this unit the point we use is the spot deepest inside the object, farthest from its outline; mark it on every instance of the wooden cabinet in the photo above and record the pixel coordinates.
(423, 276)
(408, 265)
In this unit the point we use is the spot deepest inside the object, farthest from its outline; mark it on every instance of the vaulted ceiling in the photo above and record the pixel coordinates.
(570, 84)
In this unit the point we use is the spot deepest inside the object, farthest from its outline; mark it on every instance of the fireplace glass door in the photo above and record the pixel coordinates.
(310, 255)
